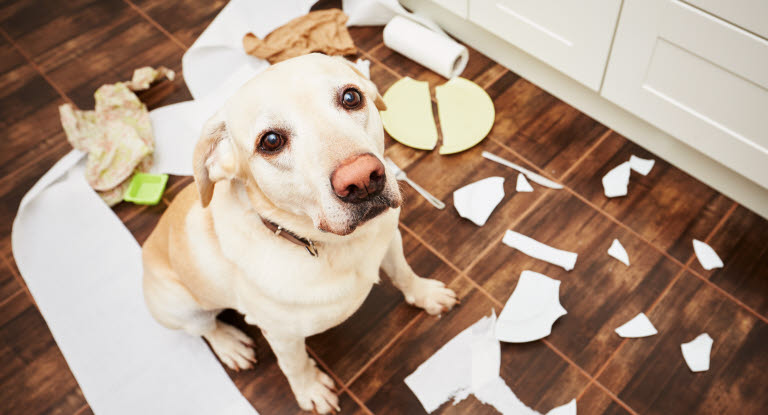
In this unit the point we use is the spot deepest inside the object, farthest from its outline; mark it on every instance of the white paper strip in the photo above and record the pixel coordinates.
(567, 409)
(617, 251)
(615, 182)
(498, 394)
(522, 184)
(642, 166)
(538, 250)
(696, 352)
(531, 310)
(639, 326)
(707, 256)
(476, 201)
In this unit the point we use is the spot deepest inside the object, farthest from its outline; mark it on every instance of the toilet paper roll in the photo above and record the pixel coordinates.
(437, 52)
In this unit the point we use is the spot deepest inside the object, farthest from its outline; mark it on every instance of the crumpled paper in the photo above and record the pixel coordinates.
(116, 134)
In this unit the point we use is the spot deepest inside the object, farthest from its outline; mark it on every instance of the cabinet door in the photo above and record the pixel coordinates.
(699, 78)
(572, 36)
(458, 7)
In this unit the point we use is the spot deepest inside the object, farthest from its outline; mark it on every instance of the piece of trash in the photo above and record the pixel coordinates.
(639, 326)
(364, 66)
(466, 114)
(498, 394)
(522, 184)
(409, 118)
(146, 189)
(485, 351)
(538, 250)
(401, 176)
(567, 409)
(534, 177)
(707, 256)
(477, 201)
(642, 166)
(696, 352)
(617, 251)
(615, 182)
(531, 310)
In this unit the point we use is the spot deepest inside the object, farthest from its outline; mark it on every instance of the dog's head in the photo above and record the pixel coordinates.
(306, 135)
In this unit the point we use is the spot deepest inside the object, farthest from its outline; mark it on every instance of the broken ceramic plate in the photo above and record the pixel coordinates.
(642, 166)
(639, 326)
(477, 201)
(696, 352)
(531, 310)
(707, 256)
(408, 118)
(538, 250)
(466, 114)
(567, 409)
(522, 184)
(617, 251)
(615, 181)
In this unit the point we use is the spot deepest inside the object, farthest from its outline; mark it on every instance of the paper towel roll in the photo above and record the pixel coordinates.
(437, 52)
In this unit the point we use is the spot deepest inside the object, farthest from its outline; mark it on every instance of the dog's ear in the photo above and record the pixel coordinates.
(214, 158)
(377, 100)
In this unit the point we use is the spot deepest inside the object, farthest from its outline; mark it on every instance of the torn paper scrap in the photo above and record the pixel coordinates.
(567, 409)
(498, 394)
(696, 352)
(477, 201)
(144, 77)
(531, 310)
(617, 251)
(639, 326)
(615, 182)
(538, 250)
(485, 352)
(466, 114)
(522, 184)
(409, 118)
(707, 256)
(364, 66)
(642, 166)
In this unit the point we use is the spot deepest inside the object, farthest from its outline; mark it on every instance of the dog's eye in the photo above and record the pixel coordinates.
(271, 142)
(351, 98)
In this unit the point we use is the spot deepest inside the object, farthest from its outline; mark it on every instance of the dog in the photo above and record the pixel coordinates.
(290, 217)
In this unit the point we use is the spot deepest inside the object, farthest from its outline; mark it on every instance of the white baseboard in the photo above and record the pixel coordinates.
(746, 192)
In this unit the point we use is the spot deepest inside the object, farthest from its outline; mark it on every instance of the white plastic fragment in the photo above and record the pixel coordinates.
(477, 201)
(639, 326)
(567, 409)
(617, 251)
(707, 256)
(615, 181)
(364, 66)
(538, 250)
(522, 184)
(640, 165)
(696, 352)
(531, 310)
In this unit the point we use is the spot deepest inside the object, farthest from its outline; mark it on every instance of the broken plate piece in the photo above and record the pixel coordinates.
(466, 114)
(567, 409)
(707, 256)
(531, 310)
(538, 250)
(642, 166)
(408, 118)
(522, 184)
(529, 174)
(615, 181)
(477, 201)
(617, 251)
(696, 352)
(639, 326)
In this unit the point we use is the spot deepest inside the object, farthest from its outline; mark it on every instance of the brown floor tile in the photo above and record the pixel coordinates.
(346, 348)
(668, 207)
(741, 244)
(184, 19)
(142, 224)
(367, 38)
(600, 293)
(651, 376)
(8, 283)
(597, 401)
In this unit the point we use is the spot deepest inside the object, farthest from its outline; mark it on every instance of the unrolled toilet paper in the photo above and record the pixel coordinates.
(432, 50)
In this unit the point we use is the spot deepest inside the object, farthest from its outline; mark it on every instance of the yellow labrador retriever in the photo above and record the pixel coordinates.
(292, 215)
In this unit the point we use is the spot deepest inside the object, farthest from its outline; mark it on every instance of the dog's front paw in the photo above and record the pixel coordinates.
(431, 295)
(315, 392)
(233, 347)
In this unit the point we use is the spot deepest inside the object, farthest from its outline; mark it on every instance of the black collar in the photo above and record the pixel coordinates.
(291, 237)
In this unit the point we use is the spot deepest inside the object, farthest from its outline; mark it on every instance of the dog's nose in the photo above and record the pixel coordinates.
(358, 178)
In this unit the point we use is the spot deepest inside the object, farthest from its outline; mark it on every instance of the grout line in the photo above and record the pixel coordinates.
(729, 296)
(430, 248)
(157, 25)
(327, 368)
(82, 408)
(377, 47)
(585, 155)
(497, 77)
(10, 298)
(720, 224)
(375, 60)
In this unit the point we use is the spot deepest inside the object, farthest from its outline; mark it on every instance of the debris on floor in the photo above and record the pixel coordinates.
(364, 66)
(615, 182)
(617, 251)
(640, 165)
(538, 250)
(531, 310)
(707, 256)
(522, 184)
(408, 117)
(534, 177)
(477, 201)
(466, 114)
(696, 352)
(639, 326)
(567, 409)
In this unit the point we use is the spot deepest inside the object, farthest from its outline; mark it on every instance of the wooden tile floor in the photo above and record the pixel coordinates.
(55, 52)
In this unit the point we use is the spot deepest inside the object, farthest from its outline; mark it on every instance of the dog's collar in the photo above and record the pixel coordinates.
(291, 237)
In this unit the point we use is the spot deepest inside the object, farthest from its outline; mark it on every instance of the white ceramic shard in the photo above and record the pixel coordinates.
(538, 250)
(615, 181)
(567, 409)
(364, 66)
(617, 251)
(477, 201)
(642, 166)
(531, 310)
(522, 184)
(707, 256)
(639, 326)
(696, 352)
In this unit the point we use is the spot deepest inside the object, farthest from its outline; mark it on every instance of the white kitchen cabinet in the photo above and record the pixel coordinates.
(696, 76)
(572, 36)
(459, 7)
